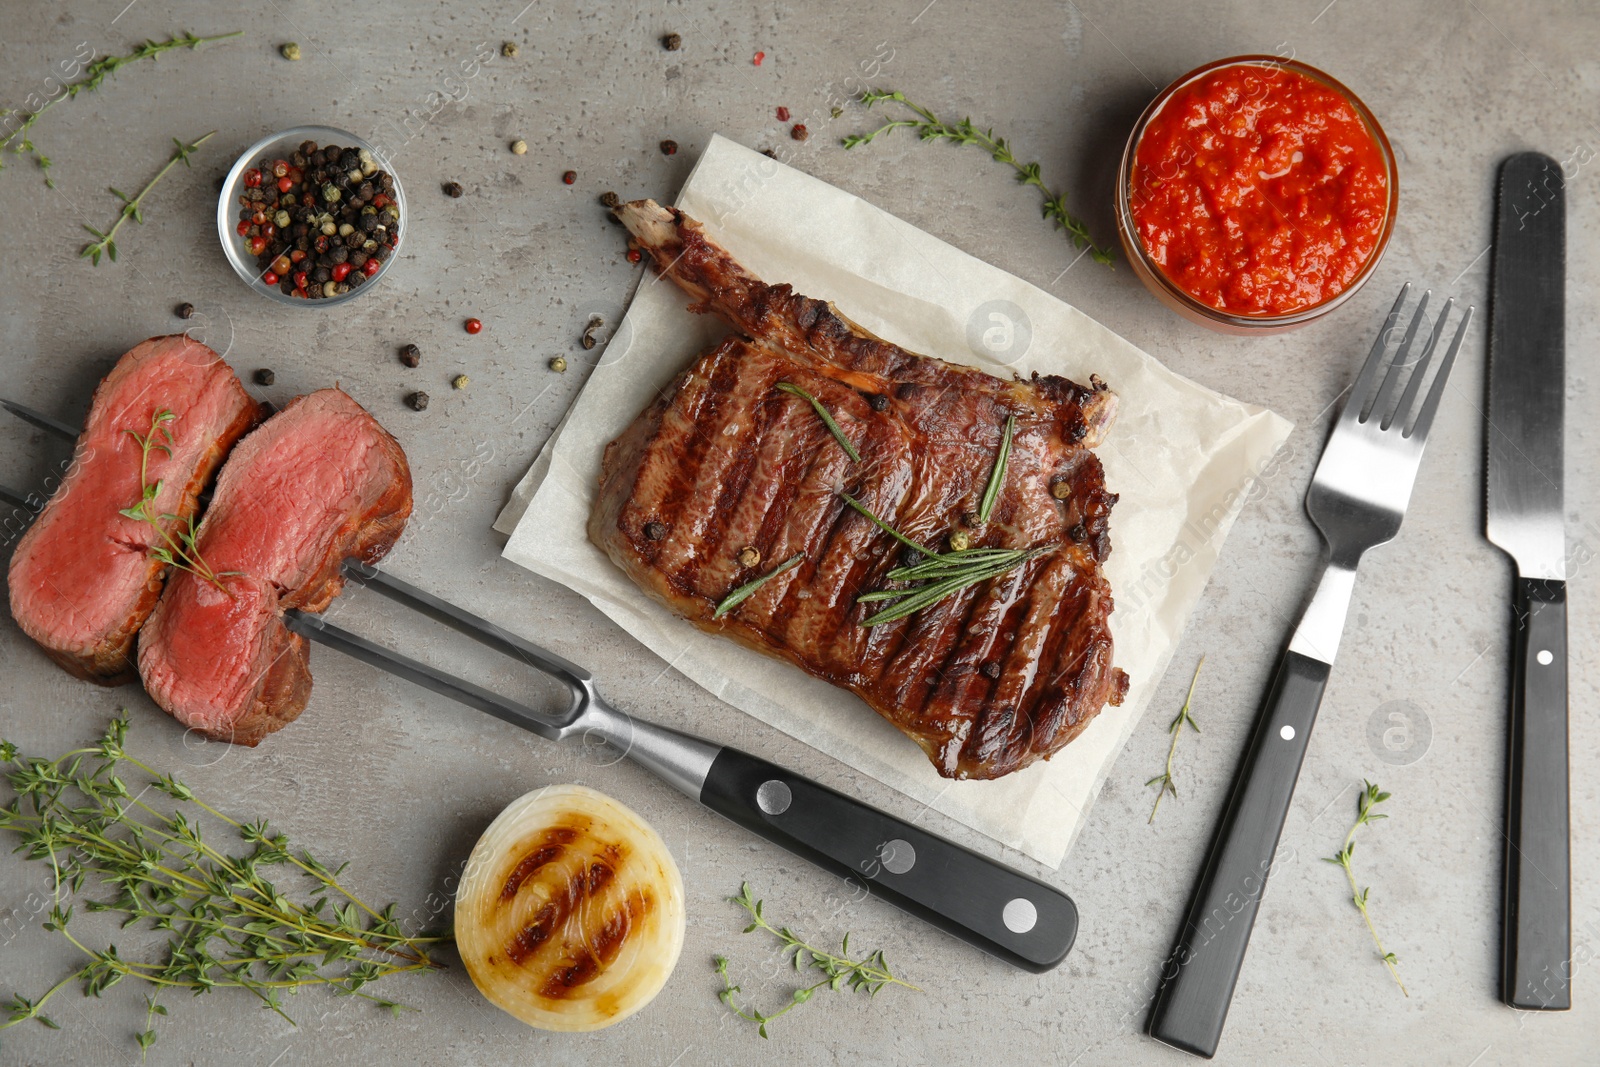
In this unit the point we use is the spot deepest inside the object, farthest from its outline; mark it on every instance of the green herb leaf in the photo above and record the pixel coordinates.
(1168, 787)
(997, 476)
(827, 419)
(748, 589)
(1369, 798)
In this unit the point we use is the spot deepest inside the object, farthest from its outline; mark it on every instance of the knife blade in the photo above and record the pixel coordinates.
(1524, 517)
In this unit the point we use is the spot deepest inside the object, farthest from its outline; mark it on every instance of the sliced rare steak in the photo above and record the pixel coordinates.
(82, 579)
(726, 476)
(317, 483)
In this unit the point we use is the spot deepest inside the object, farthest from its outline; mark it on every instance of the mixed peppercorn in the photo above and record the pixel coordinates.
(321, 222)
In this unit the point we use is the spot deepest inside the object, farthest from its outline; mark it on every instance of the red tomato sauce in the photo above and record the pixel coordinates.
(1259, 190)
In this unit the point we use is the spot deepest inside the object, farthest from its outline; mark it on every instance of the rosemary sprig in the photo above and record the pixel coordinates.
(180, 551)
(19, 141)
(130, 205)
(930, 127)
(869, 974)
(827, 419)
(1165, 778)
(748, 589)
(229, 925)
(1370, 798)
(997, 476)
(942, 574)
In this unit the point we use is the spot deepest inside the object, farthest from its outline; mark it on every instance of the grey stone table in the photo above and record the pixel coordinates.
(400, 782)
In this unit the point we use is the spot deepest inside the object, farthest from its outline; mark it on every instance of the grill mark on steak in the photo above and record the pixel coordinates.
(81, 580)
(988, 680)
(318, 482)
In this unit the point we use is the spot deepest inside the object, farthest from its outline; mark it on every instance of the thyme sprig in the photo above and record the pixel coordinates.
(929, 127)
(179, 551)
(827, 419)
(1165, 778)
(748, 589)
(940, 574)
(1370, 798)
(870, 974)
(997, 476)
(229, 925)
(20, 140)
(131, 205)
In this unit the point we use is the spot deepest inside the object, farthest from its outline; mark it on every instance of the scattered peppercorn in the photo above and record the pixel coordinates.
(510, 50)
(184, 310)
(291, 51)
(460, 381)
(878, 402)
(749, 557)
(569, 177)
(558, 364)
(410, 355)
(672, 42)
(757, 58)
(836, 112)
(633, 255)
(473, 325)
(610, 199)
(264, 376)
(418, 401)
(655, 530)
(799, 131)
(990, 670)
(519, 147)
(769, 153)
(669, 148)
(452, 189)
(595, 323)
(960, 541)
(1061, 489)
(783, 114)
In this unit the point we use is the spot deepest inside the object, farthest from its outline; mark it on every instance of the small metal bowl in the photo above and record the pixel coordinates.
(1174, 296)
(281, 146)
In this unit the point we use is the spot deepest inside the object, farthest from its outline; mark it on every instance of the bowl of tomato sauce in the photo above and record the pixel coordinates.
(1256, 194)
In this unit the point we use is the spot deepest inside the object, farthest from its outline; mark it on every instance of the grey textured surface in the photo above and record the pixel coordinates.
(400, 783)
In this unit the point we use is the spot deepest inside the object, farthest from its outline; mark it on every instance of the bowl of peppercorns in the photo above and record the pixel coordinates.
(311, 215)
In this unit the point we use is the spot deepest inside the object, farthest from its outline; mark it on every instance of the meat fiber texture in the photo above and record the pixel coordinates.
(725, 464)
(318, 483)
(82, 579)
(1184, 459)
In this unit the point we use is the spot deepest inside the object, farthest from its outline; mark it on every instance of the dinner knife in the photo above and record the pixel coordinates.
(1524, 517)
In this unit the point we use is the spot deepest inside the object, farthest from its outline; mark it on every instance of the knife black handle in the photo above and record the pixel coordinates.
(1199, 976)
(1002, 911)
(1536, 951)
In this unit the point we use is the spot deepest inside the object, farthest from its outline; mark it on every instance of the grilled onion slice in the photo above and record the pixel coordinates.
(570, 912)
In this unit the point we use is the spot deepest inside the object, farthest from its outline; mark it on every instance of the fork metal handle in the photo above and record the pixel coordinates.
(1317, 636)
(1204, 965)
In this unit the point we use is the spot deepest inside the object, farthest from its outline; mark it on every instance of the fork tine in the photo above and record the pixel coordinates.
(15, 499)
(1391, 379)
(1404, 410)
(1419, 429)
(40, 419)
(1362, 389)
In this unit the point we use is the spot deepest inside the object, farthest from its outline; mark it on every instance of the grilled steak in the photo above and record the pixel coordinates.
(317, 483)
(82, 580)
(987, 680)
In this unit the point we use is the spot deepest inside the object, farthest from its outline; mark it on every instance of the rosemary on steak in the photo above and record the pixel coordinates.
(228, 924)
(827, 419)
(179, 551)
(869, 974)
(748, 589)
(1370, 798)
(929, 127)
(1183, 717)
(997, 477)
(130, 204)
(938, 574)
(19, 140)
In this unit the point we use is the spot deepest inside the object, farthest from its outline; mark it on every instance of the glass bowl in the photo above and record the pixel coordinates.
(281, 146)
(1178, 299)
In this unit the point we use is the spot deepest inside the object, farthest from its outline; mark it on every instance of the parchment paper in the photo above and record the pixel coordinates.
(1183, 459)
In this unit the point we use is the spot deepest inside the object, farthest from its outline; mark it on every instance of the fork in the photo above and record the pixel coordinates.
(1357, 500)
